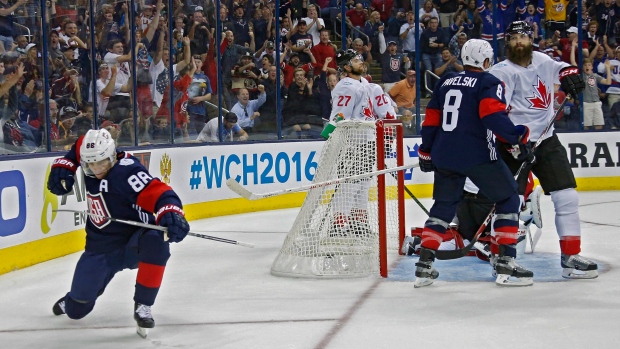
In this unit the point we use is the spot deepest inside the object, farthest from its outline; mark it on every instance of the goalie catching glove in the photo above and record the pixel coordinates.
(424, 158)
(172, 217)
(571, 81)
(523, 150)
(62, 176)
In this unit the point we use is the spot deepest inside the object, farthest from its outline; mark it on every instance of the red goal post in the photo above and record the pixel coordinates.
(345, 228)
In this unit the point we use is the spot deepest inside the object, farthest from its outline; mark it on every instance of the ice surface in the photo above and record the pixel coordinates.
(217, 295)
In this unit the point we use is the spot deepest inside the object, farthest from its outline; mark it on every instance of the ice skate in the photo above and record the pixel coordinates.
(59, 307)
(509, 273)
(425, 272)
(144, 319)
(411, 245)
(493, 261)
(577, 267)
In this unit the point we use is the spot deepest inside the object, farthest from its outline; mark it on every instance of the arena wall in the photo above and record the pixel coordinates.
(31, 232)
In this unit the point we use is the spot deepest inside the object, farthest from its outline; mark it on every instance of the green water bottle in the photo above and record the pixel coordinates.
(331, 126)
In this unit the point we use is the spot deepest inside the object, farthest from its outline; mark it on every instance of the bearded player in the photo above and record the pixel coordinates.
(352, 99)
(529, 78)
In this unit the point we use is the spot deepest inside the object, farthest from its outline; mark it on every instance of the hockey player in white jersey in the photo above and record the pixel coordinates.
(529, 78)
(352, 100)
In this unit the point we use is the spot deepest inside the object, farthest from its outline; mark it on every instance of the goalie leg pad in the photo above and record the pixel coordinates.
(534, 205)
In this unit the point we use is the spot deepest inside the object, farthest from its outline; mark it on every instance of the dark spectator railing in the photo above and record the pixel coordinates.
(337, 22)
(429, 78)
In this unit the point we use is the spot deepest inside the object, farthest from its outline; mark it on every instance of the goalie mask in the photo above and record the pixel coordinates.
(97, 153)
(475, 52)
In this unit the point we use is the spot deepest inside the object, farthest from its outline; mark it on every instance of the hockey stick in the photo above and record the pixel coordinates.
(160, 228)
(412, 196)
(454, 254)
(243, 192)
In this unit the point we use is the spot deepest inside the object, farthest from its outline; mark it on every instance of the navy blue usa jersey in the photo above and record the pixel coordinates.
(461, 117)
(128, 192)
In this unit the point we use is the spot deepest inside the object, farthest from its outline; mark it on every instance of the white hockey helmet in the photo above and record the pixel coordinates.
(97, 145)
(475, 52)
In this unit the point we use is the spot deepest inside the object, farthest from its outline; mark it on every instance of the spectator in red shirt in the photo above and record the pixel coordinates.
(323, 50)
(384, 7)
(566, 44)
(293, 63)
(356, 18)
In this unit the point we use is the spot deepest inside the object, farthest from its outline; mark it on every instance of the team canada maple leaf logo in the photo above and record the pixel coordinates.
(541, 99)
(368, 112)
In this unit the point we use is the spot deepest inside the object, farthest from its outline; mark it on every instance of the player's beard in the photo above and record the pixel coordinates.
(357, 72)
(520, 55)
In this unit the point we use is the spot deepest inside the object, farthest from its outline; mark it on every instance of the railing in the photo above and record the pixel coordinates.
(23, 28)
(350, 27)
(427, 75)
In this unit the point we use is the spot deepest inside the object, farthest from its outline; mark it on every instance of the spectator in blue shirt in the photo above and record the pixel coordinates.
(199, 92)
(246, 109)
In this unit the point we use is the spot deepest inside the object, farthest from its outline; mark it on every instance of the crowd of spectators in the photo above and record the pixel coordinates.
(177, 61)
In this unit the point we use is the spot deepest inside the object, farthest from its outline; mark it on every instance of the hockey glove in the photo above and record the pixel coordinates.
(571, 81)
(172, 217)
(426, 164)
(61, 178)
(523, 150)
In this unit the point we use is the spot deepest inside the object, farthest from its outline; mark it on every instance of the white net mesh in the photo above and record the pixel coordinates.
(336, 233)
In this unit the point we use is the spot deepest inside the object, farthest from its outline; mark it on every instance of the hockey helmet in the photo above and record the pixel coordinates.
(475, 52)
(97, 145)
(519, 27)
(343, 57)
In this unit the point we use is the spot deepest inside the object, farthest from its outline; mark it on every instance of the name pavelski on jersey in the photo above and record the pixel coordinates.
(456, 81)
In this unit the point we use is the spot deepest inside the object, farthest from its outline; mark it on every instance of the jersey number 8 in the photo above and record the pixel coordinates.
(139, 181)
(451, 110)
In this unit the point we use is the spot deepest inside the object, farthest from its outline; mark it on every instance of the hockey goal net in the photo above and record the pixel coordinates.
(346, 229)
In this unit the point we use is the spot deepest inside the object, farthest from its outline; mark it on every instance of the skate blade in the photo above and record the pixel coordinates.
(569, 273)
(142, 332)
(421, 282)
(506, 280)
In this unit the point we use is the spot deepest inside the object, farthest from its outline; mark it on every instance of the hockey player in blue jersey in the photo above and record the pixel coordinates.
(117, 186)
(467, 108)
